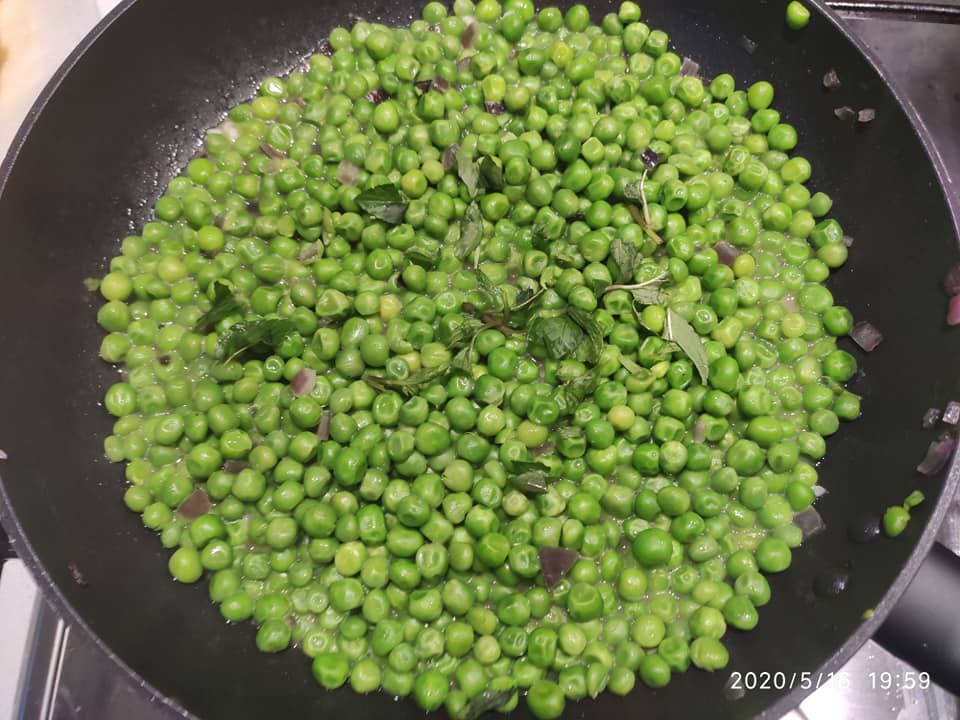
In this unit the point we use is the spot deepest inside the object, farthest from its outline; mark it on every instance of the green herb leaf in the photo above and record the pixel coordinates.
(224, 304)
(630, 366)
(258, 337)
(426, 257)
(566, 254)
(559, 335)
(569, 432)
(463, 360)
(464, 333)
(532, 482)
(492, 292)
(634, 191)
(91, 284)
(328, 229)
(590, 350)
(522, 466)
(573, 392)
(468, 171)
(626, 258)
(471, 232)
(485, 702)
(410, 385)
(526, 297)
(647, 292)
(383, 202)
(678, 330)
(461, 343)
(492, 174)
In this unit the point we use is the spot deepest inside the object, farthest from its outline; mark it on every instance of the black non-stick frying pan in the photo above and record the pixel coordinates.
(127, 111)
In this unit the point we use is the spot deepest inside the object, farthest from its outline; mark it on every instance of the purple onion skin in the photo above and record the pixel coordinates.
(953, 311)
(938, 455)
(866, 336)
(951, 281)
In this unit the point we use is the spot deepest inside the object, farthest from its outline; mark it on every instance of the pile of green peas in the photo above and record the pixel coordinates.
(378, 530)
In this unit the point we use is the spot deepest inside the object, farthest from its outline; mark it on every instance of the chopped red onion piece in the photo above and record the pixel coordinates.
(377, 96)
(469, 35)
(866, 115)
(733, 689)
(323, 429)
(938, 455)
(810, 522)
(234, 466)
(847, 240)
(3, 455)
(951, 413)
(347, 173)
(555, 563)
(831, 79)
(495, 108)
(440, 84)
(303, 382)
(790, 303)
(747, 44)
(271, 152)
(951, 281)
(309, 252)
(930, 418)
(75, 574)
(845, 112)
(726, 253)
(227, 128)
(689, 67)
(423, 85)
(819, 491)
(650, 158)
(699, 433)
(464, 63)
(866, 336)
(197, 504)
(953, 311)
(449, 157)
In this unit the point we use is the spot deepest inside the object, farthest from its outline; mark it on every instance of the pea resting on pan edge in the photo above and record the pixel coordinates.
(485, 357)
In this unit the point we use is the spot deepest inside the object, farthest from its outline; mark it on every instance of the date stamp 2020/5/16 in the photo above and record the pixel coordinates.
(750, 680)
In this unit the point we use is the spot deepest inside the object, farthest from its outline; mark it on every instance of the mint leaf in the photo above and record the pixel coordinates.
(329, 230)
(678, 330)
(383, 202)
(468, 171)
(258, 337)
(485, 702)
(559, 335)
(573, 392)
(532, 482)
(492, 174)
(224, 304)
(471, 232)
(626, 259)
(410, 385)
(590, 350)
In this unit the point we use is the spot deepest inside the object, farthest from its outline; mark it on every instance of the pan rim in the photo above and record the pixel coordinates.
(777, 709)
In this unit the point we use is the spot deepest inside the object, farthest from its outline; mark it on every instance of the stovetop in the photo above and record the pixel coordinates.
(48, 672)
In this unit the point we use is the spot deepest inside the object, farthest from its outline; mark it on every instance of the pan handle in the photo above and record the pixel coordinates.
(924, 626)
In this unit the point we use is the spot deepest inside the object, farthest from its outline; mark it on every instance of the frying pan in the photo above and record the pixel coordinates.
(127, 111)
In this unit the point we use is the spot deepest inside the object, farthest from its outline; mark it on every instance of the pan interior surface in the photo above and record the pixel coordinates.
(132, 111)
